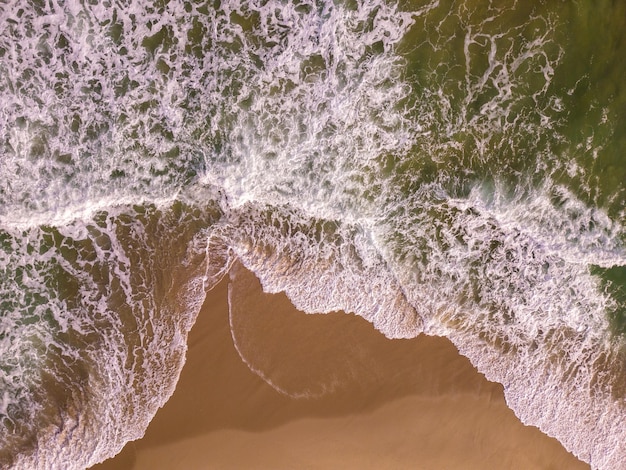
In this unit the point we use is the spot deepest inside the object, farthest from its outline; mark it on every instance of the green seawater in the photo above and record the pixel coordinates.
(562, 63)
(464, 158)
(518, 94)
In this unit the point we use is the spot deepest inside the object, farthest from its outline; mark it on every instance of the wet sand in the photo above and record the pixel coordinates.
(342, 396)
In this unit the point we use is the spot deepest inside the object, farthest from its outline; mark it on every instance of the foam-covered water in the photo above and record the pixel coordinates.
(451, 168)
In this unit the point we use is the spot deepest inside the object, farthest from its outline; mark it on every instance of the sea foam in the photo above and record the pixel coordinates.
(416, 166)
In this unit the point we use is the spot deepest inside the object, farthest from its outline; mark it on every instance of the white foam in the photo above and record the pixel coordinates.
(568, 228)
(322, 266)
(290, 134)
(129, 332)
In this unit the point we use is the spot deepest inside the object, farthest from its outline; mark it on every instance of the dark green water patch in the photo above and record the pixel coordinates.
(614, 283)
(536, 96)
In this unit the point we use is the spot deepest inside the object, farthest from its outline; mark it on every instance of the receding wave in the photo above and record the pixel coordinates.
(438, 167)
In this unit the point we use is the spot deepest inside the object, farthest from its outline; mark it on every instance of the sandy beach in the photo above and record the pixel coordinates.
(341, 396)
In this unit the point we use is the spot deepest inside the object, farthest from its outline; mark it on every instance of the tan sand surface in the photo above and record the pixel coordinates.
(373, 403)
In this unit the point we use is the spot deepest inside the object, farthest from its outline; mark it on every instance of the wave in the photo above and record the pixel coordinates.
(428, 167)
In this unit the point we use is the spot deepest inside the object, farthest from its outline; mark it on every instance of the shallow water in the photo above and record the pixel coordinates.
(449, 167)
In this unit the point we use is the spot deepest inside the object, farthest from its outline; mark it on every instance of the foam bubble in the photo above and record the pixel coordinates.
(416, 168)
(321, 265)
(95, 310)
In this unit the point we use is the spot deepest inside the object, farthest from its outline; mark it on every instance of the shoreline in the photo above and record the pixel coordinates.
(378, 403)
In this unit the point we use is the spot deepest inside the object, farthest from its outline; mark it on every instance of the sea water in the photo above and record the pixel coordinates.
(453, 168)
